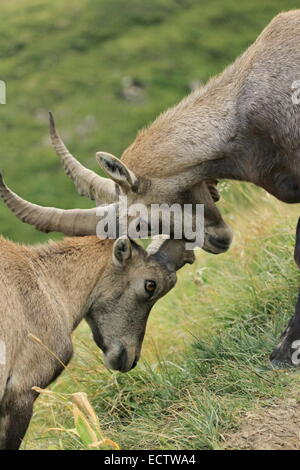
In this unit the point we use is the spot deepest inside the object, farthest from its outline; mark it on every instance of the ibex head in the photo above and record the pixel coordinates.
(130, 285)
(146, 190)
(132, 280)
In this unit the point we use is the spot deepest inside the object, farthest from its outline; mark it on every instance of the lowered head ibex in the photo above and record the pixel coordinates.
(243, 124)
(47, 290)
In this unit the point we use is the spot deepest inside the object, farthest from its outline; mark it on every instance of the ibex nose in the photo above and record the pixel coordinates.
(118, 358)
(217, 238)
(221, 244)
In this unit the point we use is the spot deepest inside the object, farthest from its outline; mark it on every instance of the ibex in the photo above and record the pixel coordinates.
(78, 222)
(243, 124)
(47, 290)
(287, 352)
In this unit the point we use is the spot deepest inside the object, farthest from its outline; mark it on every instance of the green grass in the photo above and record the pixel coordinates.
(71, 59)
(205, 354)
(205, 358)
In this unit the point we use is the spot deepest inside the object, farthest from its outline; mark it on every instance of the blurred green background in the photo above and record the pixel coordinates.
(106, 68)
(80, 59)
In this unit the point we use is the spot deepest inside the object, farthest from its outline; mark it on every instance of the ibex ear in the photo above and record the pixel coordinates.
(122, 251)
(118, 172)
(297, 244)
(172, 253)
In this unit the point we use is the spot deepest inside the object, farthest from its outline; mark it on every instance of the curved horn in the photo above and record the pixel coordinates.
(87, 182)
(172, 253)
(73, 222)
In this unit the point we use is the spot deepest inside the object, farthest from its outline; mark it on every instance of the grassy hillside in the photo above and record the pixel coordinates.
(205, 357)
(206, 348)
(71, 59)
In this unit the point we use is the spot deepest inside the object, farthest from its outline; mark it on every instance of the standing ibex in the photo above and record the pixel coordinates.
(48, 289)
(243, 124)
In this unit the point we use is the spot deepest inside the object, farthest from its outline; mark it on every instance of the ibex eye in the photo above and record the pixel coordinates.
(150, 286)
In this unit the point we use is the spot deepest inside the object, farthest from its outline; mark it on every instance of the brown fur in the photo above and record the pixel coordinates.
(241, 125)
(47, 290)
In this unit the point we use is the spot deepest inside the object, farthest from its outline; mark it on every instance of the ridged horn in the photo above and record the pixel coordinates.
(87, 182)
(73, 222)
(172, 253)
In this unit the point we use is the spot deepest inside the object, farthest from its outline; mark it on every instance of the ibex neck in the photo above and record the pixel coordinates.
(194, 131)
(72, 268)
